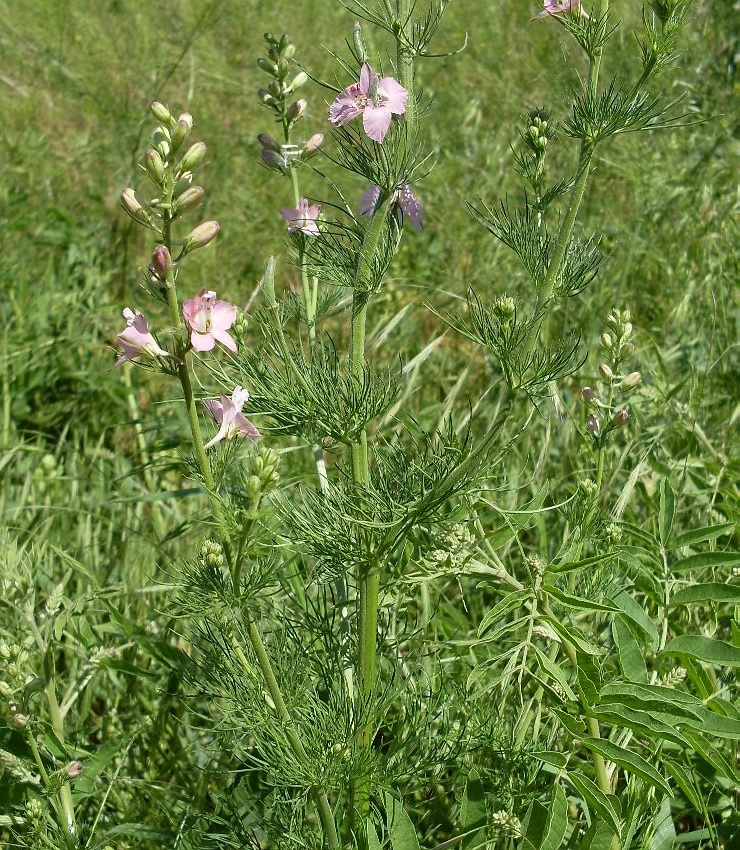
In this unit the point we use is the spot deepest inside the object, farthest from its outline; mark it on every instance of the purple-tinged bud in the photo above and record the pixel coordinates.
(274, 88)
(182, 130)
(190, 198)
(194, 157)
(201, 236)
(300, 79)
(161, 263)
(267, 99)
(605, 372)
(620, 417)
(295, 110)
(588, 395)
(273, 161)
(73, 769)
(313, 144)
(162, 114)
(269, 143)
(154, 166)
(593, 425)
(631, 381)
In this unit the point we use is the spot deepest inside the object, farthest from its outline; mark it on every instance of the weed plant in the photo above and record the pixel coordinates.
(467, 574)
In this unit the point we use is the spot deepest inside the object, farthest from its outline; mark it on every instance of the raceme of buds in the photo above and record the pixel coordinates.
(200, 237)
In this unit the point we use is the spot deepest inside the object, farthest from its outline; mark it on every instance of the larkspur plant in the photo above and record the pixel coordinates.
(381, 641)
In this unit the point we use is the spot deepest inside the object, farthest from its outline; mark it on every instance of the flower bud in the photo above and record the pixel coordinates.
(73, 769)
(588, 395)
(273, 160)
(607, 341)
(267, 66)
(358, 43)
(620, 417)
(269, 143)
(300, 79)
(627, 349)
(605, 372)
(313, 144)
(289, 51)
(161, 263)
(295, 110)
(194, 157)
(254, 485)
(182, 130)
(190, 198)
(267, 98)
(154, 166)
(161, 113)
(593, 425)
(133, 203)
(201, 236)
(631, 381)
(20, 721)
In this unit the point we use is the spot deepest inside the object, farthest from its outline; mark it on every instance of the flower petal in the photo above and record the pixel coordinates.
(395, 94)
(376, 120)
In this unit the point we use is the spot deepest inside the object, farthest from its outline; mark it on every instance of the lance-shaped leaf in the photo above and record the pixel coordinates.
(628, 761)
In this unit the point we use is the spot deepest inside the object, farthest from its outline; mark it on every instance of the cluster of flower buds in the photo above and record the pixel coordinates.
(278, 96)
(280, 157)
(170, 165)
(14, 659)
(504, 308)
(664, 8)
(264, 475)
(212, 553)
(617, 338)
(535, 136)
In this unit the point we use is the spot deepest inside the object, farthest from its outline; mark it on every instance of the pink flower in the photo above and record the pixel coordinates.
(228, 414)
(376, 100)
(209, 321)
(555, 7)
(135, 339)
(403, 201)
(303, 218)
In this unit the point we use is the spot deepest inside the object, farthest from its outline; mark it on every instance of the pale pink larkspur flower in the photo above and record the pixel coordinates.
(209, 321)
(403, 202)
(377, 100)
(228, 413)
(303, 217)
(557, 7)
(136, 339)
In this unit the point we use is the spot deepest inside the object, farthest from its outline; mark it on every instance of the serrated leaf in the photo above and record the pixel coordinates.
(706, 560)
(666, 511)
(512, 600)
(400, 828)
(628, 651)
(596, 800)
(710, 591)
(701, 535)
(473, 812)
(704, 649)
(627, 760)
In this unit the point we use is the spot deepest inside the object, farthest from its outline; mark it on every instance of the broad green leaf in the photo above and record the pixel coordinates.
(574, 635)
(553, 758)
(596, 800)
(598, 836)
(628, 760)
(704, 649)
(710, 591)
(512, 600)
(628, 651)
(589, 677)
(580, 603)
(400, 828)
(711, 723)
(84, 785)
(637, 614)
(373, 842)
(666, 511)
(645, 536)
(576, 728)
(645, 724)
(701, 535)
(685, 781)
(473, 812)
(544, 829)
(705, 560)
(713, 756)
(578, 566)
(555, 672)
(648, 696)
(663, 830)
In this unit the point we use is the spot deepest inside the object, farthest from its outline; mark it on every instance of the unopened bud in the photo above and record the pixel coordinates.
(73, 769)
(161, 113)
(273, 160)
(154, 166)
(588, 394)
(620, 417)
(360, 50)
(182, 130)
(201, 236)
(20, 721)
(606, 372)
(161, 262)
(269, 143)
(300, 79)
(313, 144)
(268, 67)
(295, 110)
(267, 98)
(289, 51)
(190, 198)
(194, 157)
(135, 206)
(607, 341)
(593, 425)
(631, 381)
(253, 485)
